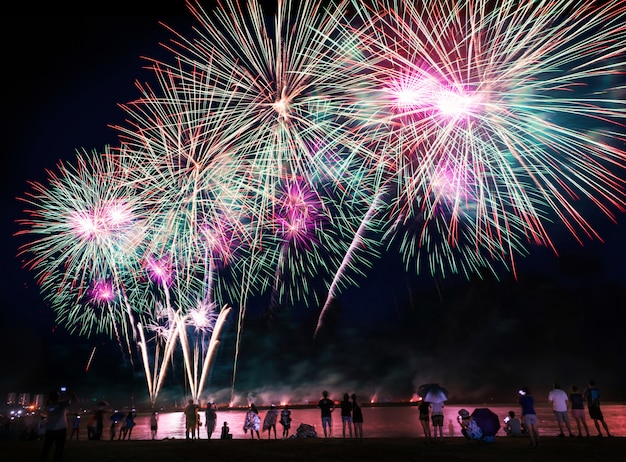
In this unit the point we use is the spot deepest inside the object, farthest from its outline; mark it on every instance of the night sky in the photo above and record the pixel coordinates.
(562, 319)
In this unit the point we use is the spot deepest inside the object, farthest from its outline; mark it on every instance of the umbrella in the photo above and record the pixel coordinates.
(487, 420)
(432, 393)
(117, 416)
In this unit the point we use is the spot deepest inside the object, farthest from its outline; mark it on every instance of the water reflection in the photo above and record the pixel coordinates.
(380, 422)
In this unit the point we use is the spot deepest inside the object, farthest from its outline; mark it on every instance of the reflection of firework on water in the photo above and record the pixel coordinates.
(493, 120)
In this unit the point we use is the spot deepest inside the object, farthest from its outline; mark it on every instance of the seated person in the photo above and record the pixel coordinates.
(512, 425)
(469, 427)
(226, 435)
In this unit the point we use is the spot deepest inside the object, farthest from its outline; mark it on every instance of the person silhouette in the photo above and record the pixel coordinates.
(252, 421)
(225, 435)
(424, 417)
(436, 417)
(346, 415)
(75, 426)
(129, 423)
(56, 424)
(285, 420)
(327, 406)
(357, 419)
(529, 415)
(512, 425)
(154, 424)
(559, 400)
(210, 416)
(191, 419)
(592, 396)
(269, 422)
(577, 404)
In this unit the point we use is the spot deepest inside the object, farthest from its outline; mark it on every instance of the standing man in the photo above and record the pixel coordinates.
(592, 396)
(559, 399)
(436, 415)
(75, 426)
(56, 425)
(327, 406)
(210, 416)
(191, 420)
(346, 414)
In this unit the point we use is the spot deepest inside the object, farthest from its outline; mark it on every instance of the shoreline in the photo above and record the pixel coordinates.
(329, 450)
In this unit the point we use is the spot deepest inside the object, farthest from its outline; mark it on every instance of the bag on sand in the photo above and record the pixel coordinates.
(306, 431)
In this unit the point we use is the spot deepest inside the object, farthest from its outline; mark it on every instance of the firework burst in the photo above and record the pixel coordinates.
(494, 118)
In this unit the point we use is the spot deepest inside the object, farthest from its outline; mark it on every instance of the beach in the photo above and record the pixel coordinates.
(327, 450)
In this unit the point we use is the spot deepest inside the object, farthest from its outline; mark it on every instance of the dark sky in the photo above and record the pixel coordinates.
(562, 319)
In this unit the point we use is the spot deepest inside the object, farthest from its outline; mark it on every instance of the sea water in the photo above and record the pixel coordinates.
(379, 421)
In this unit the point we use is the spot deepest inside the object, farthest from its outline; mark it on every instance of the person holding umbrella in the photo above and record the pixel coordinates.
(435, 395)
(436, 415)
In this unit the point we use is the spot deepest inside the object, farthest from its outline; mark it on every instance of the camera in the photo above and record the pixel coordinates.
(522, 392)
(506, 419)
(63, 389)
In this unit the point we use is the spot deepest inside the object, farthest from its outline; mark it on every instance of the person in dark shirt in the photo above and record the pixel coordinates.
(529, 415)
(357, 419)
(327, 406)
(592, 396)
(577, 403)
(346, 415)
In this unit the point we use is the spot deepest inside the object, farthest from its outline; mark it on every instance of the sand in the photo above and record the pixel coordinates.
(327, 450)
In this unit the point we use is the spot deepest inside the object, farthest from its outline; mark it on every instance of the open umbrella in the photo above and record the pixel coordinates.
(432, 393)
(487, 420)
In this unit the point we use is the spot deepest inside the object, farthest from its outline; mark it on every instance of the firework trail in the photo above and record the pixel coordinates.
(358, 241)
(93, 352)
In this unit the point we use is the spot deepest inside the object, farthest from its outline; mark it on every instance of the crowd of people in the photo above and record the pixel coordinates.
(351, 416)
(53, 426)
(563, 404)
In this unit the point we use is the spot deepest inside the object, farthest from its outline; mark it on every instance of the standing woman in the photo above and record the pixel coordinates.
(154, 424)
(529, 416)
(252, 422)
(424, 409)
(357, 419)
(129, 424)
(577, 402)
(56, 425)
(285, 420)
(269, 423)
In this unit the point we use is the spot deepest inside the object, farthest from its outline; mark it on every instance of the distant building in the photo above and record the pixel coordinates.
(24, 399)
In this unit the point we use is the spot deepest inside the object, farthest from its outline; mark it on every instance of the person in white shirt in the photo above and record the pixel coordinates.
(56, 424)
(559, 401)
